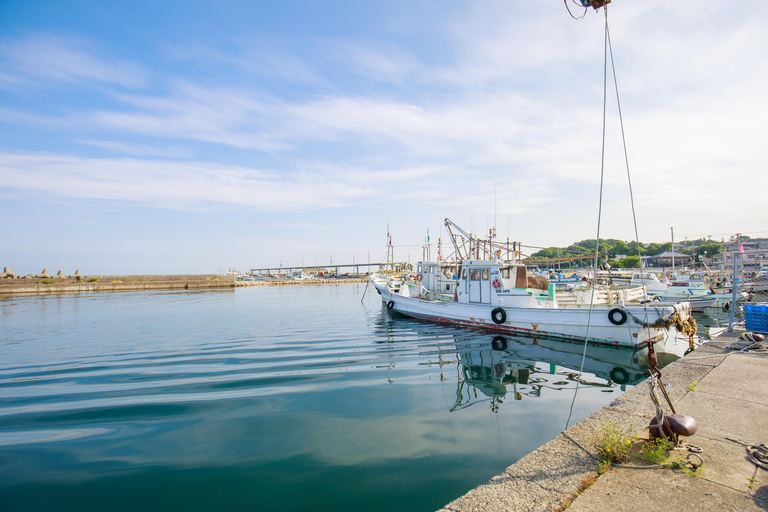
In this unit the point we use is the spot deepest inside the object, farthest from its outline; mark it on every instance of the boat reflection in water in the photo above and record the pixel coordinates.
(488, 367)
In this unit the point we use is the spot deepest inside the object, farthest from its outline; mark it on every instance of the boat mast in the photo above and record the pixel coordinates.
(673, 251)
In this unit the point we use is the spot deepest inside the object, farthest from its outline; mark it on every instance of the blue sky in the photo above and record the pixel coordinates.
(176, 137)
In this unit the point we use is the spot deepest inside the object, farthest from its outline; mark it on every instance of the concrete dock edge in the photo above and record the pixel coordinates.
(562, 475)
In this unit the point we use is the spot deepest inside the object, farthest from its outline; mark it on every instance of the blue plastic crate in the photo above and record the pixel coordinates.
(756, 317)
(757, 329)
(756, 309)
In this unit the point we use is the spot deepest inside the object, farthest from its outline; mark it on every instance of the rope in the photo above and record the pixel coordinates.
(745, 346)
(599, 217)
(687, 327)
(626, 161)
(756, 453)
(686, 463)
(581, 446)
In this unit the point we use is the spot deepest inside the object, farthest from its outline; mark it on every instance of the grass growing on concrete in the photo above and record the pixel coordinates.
(613, 442)
(566, 502)
(656, 451)
(692, 385)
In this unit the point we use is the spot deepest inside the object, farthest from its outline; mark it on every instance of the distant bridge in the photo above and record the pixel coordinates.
(324, 268)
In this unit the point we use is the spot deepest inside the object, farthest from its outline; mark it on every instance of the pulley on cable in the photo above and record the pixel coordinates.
(586, 4)
(595, 4)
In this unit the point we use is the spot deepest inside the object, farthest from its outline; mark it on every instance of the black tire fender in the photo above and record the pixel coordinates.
(390, 305)
(499, 316)
(619, 375)
(499, 343)
(617, 321)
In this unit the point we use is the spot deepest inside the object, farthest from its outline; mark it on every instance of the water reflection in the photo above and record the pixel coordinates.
(531, 366)
(494, 368)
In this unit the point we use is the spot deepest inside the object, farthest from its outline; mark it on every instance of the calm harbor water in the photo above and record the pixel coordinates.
(278, 398)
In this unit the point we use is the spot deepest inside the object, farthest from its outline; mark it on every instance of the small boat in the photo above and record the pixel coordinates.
(698, 304)
(496, 296)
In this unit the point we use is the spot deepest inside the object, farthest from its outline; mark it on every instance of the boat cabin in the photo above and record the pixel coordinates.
(486, 282)
(438, 277)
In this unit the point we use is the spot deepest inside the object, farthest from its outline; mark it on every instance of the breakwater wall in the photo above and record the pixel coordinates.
(87, 284)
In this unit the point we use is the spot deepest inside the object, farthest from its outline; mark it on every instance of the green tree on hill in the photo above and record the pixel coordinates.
(654, 248)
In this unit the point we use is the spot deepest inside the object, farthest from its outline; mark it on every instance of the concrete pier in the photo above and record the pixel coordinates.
(87, 284)
(724, 390)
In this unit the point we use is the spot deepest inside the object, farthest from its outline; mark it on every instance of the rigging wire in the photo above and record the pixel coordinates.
(569, 10)
(629, 176)
(609, 52)
(599, 217)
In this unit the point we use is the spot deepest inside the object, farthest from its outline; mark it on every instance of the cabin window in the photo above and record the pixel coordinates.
(418, 269)
(505, 273)
(464, 275)
(474, 274)
(486, 274)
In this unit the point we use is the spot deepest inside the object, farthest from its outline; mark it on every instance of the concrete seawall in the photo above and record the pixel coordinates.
(724, 390)
(92, 284)
(89, 284)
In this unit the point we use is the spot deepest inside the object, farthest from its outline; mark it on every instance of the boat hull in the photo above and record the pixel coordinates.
(573, 324)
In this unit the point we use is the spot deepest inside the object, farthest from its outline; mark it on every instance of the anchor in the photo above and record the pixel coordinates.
(669, 425)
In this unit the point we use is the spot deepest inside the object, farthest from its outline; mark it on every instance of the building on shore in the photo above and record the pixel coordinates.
(665, 259)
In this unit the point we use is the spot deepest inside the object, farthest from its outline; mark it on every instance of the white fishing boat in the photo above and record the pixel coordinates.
(496, 296)
(692, 288)
(693, 291)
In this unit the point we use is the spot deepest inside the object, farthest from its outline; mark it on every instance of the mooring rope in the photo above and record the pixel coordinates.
(626, 161)
(756, 453)
(599, 217)
(686, 463)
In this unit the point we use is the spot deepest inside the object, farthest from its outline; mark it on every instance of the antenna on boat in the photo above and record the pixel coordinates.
(495, 209)
(471, 216)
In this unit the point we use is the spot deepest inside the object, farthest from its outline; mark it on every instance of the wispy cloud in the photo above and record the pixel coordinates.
(48, 58)
(379, 60)
(250, 59)
(137, 149)
(194, 185)
(170, 184)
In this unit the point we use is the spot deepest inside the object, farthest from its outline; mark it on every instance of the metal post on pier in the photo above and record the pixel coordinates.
(734, 294)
